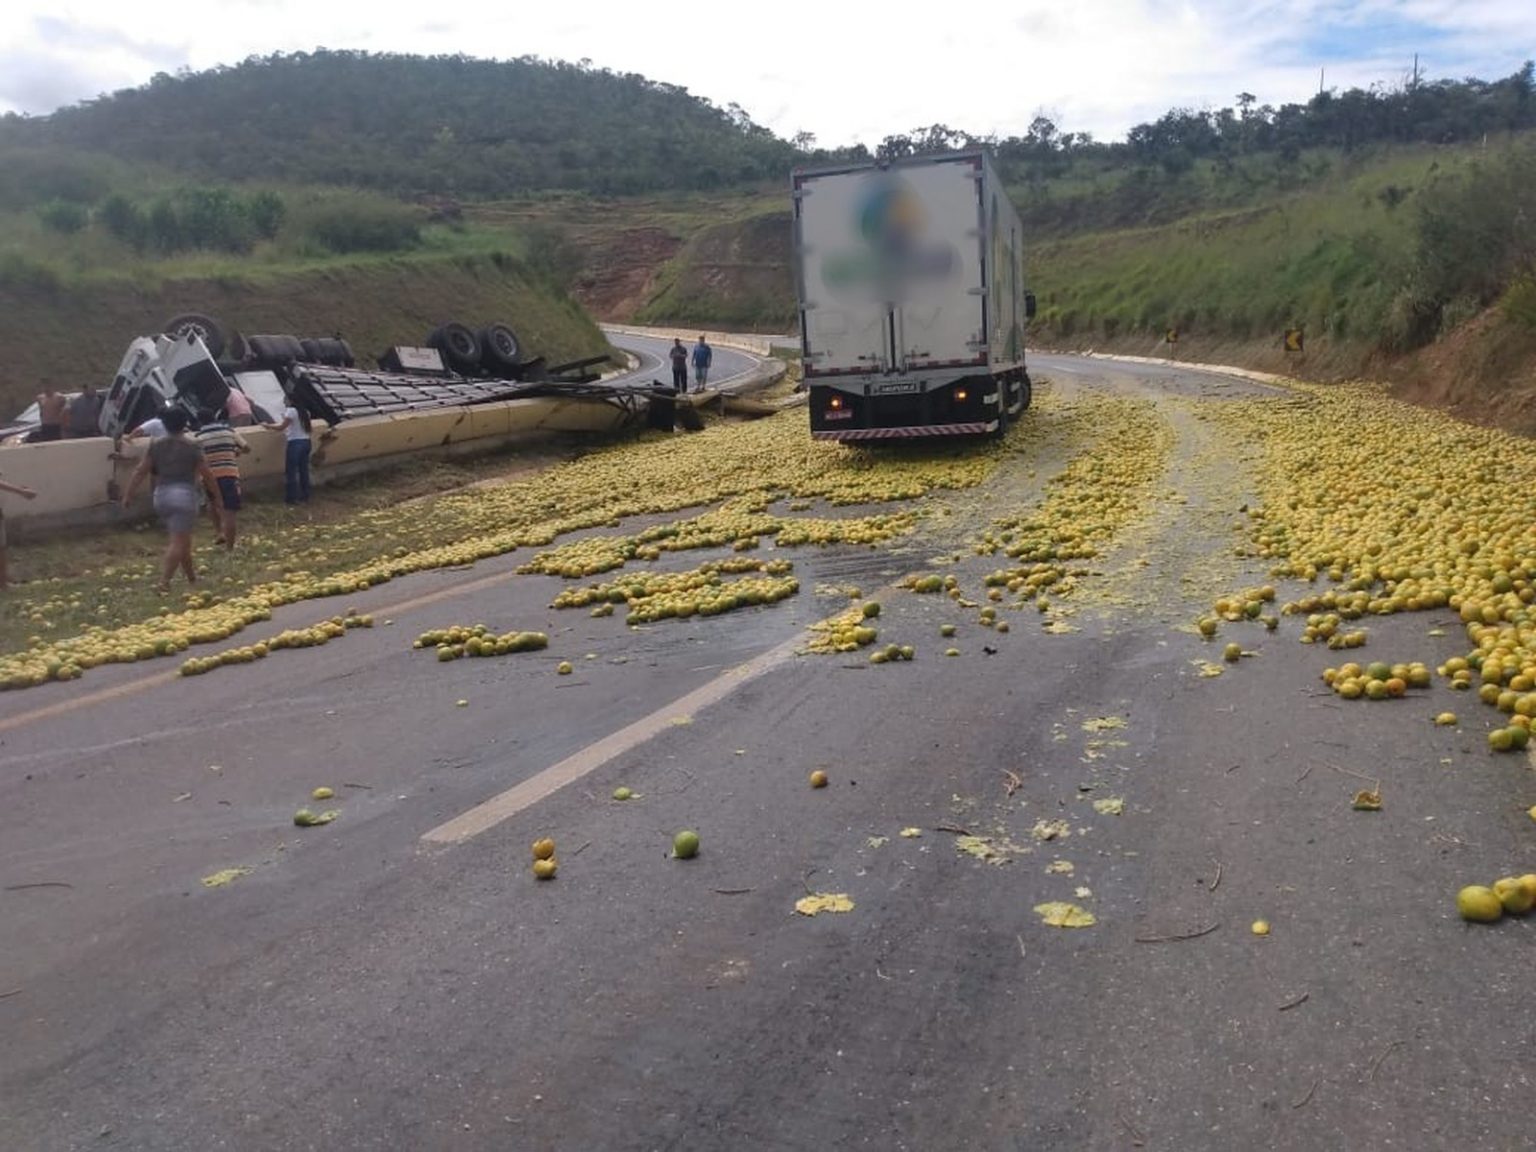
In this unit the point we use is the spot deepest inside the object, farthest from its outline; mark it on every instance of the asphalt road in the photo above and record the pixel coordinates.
(397, 979)
(727, 364)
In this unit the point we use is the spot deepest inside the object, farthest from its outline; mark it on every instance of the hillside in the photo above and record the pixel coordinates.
(448, 125)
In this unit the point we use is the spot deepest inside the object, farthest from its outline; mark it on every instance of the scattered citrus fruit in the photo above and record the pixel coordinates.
(322, 793)
(1514, 895)
(622, 793)
(543, 849)
(685, 845)
(1478, 903)
(544, 868)
(1260, 928)
(818, 779)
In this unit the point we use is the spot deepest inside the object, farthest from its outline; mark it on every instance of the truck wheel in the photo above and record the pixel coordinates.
(1026, 391)
(500, 351)
(336, 352)
(460, 347)
(205, 328)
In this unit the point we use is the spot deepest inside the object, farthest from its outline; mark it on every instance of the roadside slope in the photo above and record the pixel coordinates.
(67, 333)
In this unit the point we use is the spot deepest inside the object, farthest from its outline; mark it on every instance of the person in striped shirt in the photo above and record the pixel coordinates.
(222, 447)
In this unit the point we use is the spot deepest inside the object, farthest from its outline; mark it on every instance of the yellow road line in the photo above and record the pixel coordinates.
(118, 691)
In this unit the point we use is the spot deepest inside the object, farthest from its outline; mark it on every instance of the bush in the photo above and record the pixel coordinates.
(267, 212)
(1519, 303)
(64, 216)
(217, 219)
(343, 226)
(123, 219)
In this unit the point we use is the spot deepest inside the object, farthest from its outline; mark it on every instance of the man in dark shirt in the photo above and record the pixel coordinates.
(679, 356)
(85, 414)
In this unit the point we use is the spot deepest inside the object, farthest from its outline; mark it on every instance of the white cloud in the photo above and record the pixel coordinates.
(838, 70)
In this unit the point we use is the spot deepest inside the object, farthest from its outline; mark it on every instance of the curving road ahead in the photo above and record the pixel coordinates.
(728, 364)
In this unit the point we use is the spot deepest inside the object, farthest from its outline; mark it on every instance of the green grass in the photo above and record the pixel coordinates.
(1330, 258)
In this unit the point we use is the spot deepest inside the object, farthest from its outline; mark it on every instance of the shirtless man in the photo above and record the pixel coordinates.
(51, 407)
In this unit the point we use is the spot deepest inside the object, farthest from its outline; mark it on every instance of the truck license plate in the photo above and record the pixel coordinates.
(897, 387)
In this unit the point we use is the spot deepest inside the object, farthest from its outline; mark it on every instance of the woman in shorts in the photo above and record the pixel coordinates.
(176, 463)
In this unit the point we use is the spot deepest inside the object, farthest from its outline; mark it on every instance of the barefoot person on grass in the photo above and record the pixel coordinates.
(176, 463)
(15, 490)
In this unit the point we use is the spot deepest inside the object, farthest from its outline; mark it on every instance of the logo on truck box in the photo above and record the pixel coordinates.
(896, 255)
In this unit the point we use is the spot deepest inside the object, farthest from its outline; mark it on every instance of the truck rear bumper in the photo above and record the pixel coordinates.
(913, 431)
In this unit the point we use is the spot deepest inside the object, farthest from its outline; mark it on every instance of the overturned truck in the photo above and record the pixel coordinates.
(195, 363)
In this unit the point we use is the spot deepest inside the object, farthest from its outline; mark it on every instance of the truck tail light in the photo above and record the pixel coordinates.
(835, 403)
(961, 394)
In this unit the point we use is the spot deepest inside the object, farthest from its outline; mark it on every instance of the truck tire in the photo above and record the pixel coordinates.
(336, 352)
(459, 345)
(1026, 391)
(276, 349)
(206, 328)
(500, 349)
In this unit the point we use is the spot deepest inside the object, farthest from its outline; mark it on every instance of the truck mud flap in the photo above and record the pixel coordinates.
(911, 432)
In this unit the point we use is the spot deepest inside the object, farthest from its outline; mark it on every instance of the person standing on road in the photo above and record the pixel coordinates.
(15, 490)
(295, 426)
(51, 407)
(176, 463)
(679, 356)
(85, 414)
(703, 355)
(221, 447)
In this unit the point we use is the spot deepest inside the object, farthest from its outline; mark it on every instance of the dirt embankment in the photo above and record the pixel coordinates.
(1484, 371)
(67, 335)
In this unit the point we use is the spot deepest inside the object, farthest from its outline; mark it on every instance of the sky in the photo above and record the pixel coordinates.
(846, 72)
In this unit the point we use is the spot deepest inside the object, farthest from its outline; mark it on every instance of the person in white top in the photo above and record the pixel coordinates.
(295, 426)
(154, 428)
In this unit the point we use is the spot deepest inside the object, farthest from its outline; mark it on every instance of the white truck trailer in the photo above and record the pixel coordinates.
(910, 277)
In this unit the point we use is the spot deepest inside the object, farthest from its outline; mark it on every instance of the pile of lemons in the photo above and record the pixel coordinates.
(1403, 509)
(733, 525)
(1103, 489)
(703, 591)
(457, 641)
(1377, 680)
(848, 631)
(311, 637)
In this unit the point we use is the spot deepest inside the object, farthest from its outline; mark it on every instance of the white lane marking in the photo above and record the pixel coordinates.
(486, 815)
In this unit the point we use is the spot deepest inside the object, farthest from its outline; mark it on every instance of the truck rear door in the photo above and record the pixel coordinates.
(889, 264)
